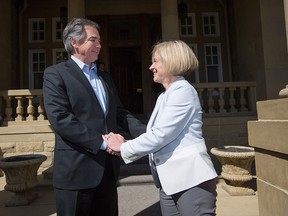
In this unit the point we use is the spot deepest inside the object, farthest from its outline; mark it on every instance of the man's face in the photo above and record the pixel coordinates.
(88, 49)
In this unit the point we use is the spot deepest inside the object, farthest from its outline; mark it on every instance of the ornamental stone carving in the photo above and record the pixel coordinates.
(21, 176)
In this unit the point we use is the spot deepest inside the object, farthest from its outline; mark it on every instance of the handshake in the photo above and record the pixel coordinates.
(114, 142)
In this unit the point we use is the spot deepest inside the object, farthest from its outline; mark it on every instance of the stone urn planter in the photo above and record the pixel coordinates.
(21, 176)
(236, 164)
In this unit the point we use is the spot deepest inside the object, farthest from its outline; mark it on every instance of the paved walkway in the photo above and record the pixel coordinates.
(137, 197)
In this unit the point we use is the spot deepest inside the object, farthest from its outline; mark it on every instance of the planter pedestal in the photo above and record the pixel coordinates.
(21, 176)
(236, 164)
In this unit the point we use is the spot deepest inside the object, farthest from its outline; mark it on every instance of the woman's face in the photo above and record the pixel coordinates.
(157, 68)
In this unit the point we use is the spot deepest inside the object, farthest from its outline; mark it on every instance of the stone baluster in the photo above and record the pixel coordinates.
(221, 100)
(242, 101)
(30, 108)
(19, 109)
(8, 108)
(41, 109)
(232, 100)
(200, 91)
(210, 101)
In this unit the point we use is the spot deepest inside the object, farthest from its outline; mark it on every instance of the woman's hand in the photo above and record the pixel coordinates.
(114, 142)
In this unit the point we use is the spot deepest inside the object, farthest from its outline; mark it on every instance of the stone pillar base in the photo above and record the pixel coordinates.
(238, 191)
(21, 199)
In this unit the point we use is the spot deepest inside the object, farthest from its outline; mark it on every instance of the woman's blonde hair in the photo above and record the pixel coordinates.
(176, 56)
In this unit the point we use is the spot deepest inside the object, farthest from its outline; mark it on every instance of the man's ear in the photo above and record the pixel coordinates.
(73, 43)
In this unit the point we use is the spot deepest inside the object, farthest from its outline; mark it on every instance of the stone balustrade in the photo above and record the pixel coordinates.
(22, 105)
(26, 105)
(227, 108)
(227, 97)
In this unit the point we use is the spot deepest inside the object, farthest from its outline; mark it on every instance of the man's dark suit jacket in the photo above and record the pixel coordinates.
(78, 121)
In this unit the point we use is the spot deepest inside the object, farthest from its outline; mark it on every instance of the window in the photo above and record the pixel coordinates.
(36, 30)
(37, 65)
(57, 29)
(59, 55)
(213, 63)
(194, 76)
(188, 26)
(210, 24)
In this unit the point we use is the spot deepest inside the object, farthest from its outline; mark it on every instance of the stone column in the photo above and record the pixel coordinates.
(76, 9)
(286, 20)
(169, 19)
(6, 43)
(269, 137)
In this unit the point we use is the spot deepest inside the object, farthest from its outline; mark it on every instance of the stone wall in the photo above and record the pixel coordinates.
(38, 138)
(225, 131)
(269, 137)
(28, 139)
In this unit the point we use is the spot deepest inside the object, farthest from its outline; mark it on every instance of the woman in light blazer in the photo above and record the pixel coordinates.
(180, 164)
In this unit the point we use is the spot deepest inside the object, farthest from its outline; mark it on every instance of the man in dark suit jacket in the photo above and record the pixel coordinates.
(85, 171)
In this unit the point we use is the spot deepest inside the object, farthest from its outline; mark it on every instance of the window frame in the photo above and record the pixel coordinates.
(31, 22)
(54, 53)
(193, 25)
(31, 62)
(217, 25)
(219, 59)
(55, 30)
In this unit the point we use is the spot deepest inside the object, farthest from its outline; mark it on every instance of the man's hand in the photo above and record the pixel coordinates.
(114, 142)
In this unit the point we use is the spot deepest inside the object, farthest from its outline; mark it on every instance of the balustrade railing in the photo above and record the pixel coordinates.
(22, 105)
(227, 97)
(216, 98)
